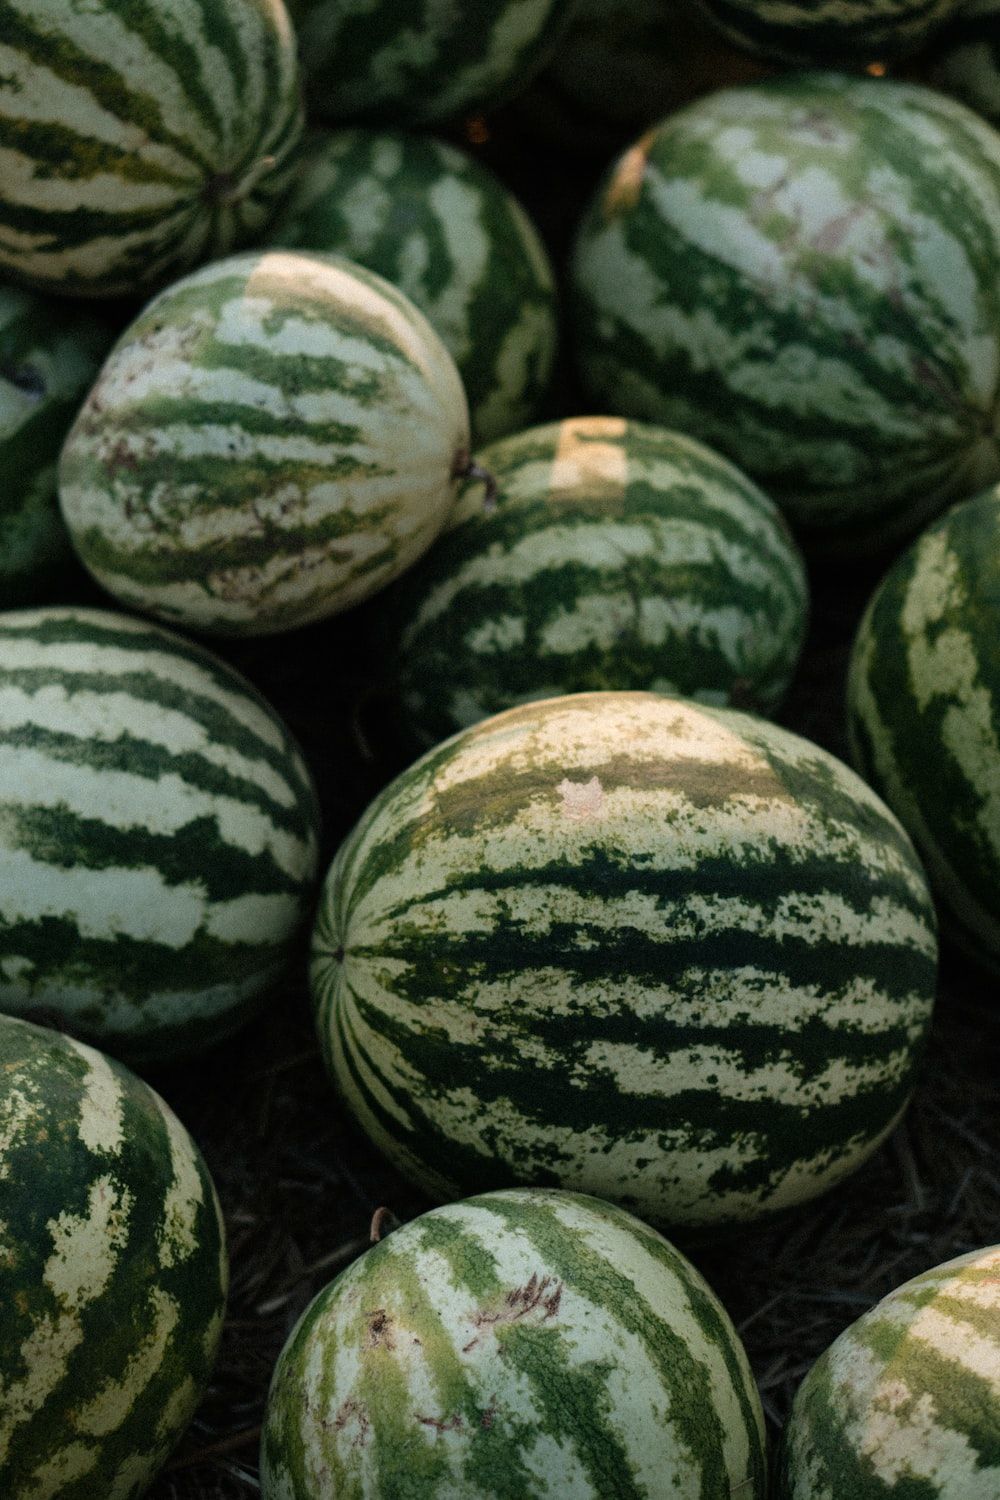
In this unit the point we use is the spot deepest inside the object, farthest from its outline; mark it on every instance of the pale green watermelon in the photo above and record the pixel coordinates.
(630, 945)
(113, 1273)
(906, 1403)
(803, 274)
(437, 224)
(409, 62)
(158, 834)
(49, 358)
(139, 139)
(614, 555)
(924, 712)
(273, 439)
(534, 1344)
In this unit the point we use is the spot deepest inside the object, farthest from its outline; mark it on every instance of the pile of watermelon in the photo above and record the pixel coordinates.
(428, 437)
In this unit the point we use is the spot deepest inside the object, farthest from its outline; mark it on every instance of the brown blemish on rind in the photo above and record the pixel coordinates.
(540, 1294)
(380, 1331)
(352, 1411)
(451, 1425)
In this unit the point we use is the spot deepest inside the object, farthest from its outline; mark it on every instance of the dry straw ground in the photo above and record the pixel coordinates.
(299, 1183)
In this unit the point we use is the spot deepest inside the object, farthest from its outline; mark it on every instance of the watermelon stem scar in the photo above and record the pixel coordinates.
(227, 187)
(464, 467)
(380, 1218)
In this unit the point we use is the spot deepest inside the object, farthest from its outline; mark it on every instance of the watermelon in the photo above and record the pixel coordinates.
(803, 274)
(158, 834)
(966, 60)
(924, 712)
(528, 1343)
(113, 1273)
(629, 945)
(49, 358)
(906, 1403)
(850, 32)
(616, 555)
(430, 219)
(138, 140)
(410, 64)
(274, 438)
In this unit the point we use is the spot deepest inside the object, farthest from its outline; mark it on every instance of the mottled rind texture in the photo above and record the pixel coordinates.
(158, 833)
(845, 32)
(49, 358)
(906, 1403)
(410, 62)
(966, 57)
(802, 273)
(924, 712)
(137, 139)
(668, 954)
(113, 1273)
(519, 1344)
(442, 228)
(615, 555)
(273, 439)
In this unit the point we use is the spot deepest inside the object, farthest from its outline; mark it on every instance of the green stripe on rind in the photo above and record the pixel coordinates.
(924, 712)
(113, 1273)
(801, 273)
(438, 225)
(966, 58)
(905, 1405)
(49, 358)
(518, 1344)
(159, 833)
(829, 31)
(413, 64)
(139, 138)
(273, 439)
(668, 954)
(616, 555)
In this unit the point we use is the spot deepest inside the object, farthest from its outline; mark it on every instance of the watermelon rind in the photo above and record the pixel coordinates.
(140, 139)
(274, 438)
(113, 1273)
(158, 834)
(531, 1343)
(628, 945)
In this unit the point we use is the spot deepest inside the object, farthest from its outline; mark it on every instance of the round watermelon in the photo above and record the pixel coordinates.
(924, 712)
(629, 945)
(906, 1402)
(850, 32)
(803, 274)
(158, 834)
(410, 64)
(49, 358)
(139, 139)
(966, 57)
(273, 439)
(113, 1273)
(442, 228)
(533, 1343)
(614, 555)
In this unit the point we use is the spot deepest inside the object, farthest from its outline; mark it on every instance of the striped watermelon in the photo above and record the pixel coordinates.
(49, 358)
(966, 59)
(447, 232)
(113, 1273)
(411, 63)
(621, 943)
(139, 139)
(274, 438)
(830, 31)
(906, 1403)
(530, 1344)
(617, 555)
(924, 710)
(803, 273)
(158, 833)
